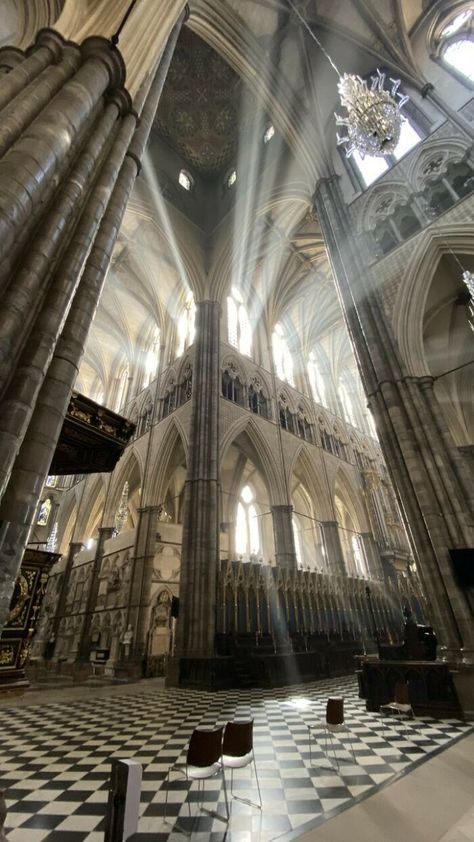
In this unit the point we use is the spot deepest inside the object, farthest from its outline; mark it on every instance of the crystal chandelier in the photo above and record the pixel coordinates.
(468, 278)
(373, 120)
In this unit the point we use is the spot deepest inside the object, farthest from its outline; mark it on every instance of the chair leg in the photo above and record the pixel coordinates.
(225, 796)
(258, 785)
(232, 783)
(167, 779)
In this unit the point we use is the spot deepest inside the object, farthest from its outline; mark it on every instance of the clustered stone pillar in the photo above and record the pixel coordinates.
(141, 580)
(74, 548)
(70, 150)
(333, 547)
(285, 552)
(105, 532)
(200, 544)
(431, 480)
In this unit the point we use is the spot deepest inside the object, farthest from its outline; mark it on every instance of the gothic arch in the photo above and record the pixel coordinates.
(129, 470)
(89, 514)
(67, 522)
(351, 496)
(304, 466)
(174, 437)
(413, 291)
(260, 453)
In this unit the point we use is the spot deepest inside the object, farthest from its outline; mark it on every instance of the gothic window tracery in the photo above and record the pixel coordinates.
(282, 357)
(256, 398)
(247, 530)
(152, 358)
(297, 539)
(285, 415)
(316, 380)
(456, 44)
(303, 426)
(186, 326)
(239, 330)
(44, 512)
(231, 384)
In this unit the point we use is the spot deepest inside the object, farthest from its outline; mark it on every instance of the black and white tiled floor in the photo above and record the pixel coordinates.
(55, 761)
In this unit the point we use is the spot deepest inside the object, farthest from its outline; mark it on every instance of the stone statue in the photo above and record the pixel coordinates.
(127, 641)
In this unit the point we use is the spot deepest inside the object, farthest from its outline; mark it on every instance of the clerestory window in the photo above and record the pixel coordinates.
(239, 330)
(247, 530)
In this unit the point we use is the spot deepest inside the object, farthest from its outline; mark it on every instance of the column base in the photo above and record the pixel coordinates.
(214, 673)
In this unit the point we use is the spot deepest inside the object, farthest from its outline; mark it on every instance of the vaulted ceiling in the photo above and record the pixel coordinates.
(237, 64)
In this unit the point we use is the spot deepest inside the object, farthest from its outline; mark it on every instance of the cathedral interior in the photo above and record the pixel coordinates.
(236, 426)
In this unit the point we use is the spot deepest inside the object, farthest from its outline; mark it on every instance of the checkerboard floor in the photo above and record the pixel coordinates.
(55, 761)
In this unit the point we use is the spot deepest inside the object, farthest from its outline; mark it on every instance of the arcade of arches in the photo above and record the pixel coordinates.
(288, 329)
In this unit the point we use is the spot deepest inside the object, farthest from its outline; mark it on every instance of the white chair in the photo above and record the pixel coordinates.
(237, 752)
(203, 761)
(333, 726)
(401, 707)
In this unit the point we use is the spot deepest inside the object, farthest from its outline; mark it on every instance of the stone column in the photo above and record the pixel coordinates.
(372, 555)
(23, 70)
(285, 552)
(430, 479)
(333, 547)
(105, 532)
(74, 548)
(49, 377)
(200, 543)
(141, 580)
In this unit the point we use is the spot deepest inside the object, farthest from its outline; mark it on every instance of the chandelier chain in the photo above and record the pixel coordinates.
(313, 36)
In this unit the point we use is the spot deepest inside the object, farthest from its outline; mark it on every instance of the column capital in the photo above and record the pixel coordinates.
(102, 49)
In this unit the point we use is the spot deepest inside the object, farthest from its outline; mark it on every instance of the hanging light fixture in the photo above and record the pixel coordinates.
(468, 278)
(373, 120)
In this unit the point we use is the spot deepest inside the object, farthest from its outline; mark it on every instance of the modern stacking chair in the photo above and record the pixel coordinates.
(237, 752)
(203, 760)
(333, 726)
(401, 706)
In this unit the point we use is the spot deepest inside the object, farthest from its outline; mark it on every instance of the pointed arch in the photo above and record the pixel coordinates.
(304, 467)
(350, 494)
(129, 469)
(173, 439)
(414, 288)
(260, 452)
(91, 511)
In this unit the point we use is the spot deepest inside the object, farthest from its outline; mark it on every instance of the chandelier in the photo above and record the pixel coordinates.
(468, 278)
(373, 120)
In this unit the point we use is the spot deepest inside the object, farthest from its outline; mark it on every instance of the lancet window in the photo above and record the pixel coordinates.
(297, 536)
(152, 357)
(186, 326)
(231, 384)
(247, 530)
(257, 400)
(282, 357)
(316, 380)
(239, 330)
(456, 46)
